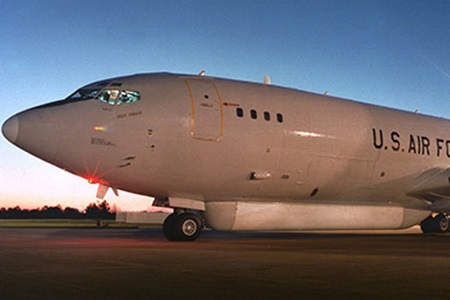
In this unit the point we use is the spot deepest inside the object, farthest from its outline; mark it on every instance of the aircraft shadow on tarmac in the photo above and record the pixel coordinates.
(156, 234)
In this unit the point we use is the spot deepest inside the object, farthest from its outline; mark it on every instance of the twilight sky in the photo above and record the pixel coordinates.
(392, 53)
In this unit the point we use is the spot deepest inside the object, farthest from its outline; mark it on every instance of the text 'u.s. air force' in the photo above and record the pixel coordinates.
(410, 143)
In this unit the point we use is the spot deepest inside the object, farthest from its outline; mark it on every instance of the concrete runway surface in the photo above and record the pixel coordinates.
(141, 264)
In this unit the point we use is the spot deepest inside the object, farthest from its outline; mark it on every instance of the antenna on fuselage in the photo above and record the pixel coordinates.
(202, 72)
(266, 79)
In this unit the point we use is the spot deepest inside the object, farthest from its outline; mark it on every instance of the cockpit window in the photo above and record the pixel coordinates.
(109, 96)
(128, 97)
(84, 94)
(117, 97)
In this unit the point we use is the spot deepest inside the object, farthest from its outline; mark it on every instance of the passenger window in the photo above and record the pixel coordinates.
(239, 112)
(280, 118)
(253, 114)
(266, 116)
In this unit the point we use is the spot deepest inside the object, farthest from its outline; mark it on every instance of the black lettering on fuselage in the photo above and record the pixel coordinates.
(447, 145)
(377, 143)
(439, 146)
(425, 145)
(412, 144)
(418, 144)
(395, 137)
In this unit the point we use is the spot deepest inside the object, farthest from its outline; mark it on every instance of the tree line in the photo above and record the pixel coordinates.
(95, 210)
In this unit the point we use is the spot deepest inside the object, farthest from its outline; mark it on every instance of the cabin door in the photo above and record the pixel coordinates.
(207, 110)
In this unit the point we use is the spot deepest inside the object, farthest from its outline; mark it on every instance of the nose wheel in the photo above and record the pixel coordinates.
(182, 227)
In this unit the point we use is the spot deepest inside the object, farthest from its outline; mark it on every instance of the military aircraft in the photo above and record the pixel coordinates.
(246, 156)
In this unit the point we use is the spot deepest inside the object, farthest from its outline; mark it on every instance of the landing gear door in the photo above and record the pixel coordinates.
(207, 110)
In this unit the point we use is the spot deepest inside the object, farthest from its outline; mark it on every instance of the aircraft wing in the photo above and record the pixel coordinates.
(433, 186)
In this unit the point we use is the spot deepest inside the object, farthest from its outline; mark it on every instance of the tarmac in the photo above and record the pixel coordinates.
(141, 264)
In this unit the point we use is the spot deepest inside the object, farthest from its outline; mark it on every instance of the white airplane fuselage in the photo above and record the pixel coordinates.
(250, 156)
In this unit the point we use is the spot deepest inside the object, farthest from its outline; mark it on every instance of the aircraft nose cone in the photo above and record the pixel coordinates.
(10, 129)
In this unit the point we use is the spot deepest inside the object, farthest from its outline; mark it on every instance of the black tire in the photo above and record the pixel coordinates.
(183, 227)
(442, 223)
(427, 225)
(188, 227)
(169, 227)
(438, 224)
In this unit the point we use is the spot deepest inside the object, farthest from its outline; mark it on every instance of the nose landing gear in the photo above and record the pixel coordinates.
(182, 227)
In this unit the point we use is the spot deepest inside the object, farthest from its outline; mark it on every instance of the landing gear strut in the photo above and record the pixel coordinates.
(437, 224)
(182, 227)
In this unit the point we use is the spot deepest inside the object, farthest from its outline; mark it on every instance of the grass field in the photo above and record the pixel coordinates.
(62, 223)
